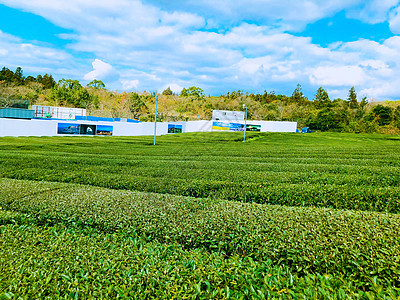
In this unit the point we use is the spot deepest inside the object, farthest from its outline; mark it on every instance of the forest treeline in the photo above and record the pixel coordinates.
(320, 113)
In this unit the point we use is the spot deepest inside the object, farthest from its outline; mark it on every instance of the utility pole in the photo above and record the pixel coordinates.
(155, 119)
(245, 122)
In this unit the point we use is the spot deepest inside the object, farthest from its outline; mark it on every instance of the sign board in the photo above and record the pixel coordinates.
(227, 115)
(234, 126)
(84, 129)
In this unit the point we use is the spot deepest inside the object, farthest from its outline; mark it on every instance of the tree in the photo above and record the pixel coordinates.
(396, 117)
(19, 77)
(298, 96)
(96, 84)
(183, 93)
(71, 92)
(321, 98)
(47, 81)
(361, 109)
(382, 114)
(352, 98)
(6, 75)
(30, 79)
(329, 119)
(363, 103)
(194, 92)
(136, 105)
(167, 91)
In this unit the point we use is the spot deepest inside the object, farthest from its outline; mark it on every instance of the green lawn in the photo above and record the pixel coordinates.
(201, 215)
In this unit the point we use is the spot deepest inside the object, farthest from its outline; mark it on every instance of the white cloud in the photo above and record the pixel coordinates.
(150, 46)
(36, 59)
(394, 21)
(338, 76)
(373, 11)
(101, 71)
(175, 88)
(130, 84)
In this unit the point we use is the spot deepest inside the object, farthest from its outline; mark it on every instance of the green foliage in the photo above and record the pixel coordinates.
(321, 98)
(305, 240)
(194, 92)
(382, 114)
(328, 119)
(268, 97)
(136, 105)
(167, 91)
(289, 169)
(47, 81)
(337, 241)
(298, 96)
(17, 78)
(396, 117)
(352, 98)
(10, 77)
(192, 104)
(70, 92)
(96, 84)
(44, 260)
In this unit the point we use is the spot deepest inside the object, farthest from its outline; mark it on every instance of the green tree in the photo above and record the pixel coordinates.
(136, 105)
(396, 117)
(96, 84)
(352, 98)
(361, 108)
(167, 91)
(70, 92)
(321, 98)
(194, 92)
(6, 75)
(183, 93)
(298, 96)
(329, 120)
(47, 81)
(383, 115)
(18, 76)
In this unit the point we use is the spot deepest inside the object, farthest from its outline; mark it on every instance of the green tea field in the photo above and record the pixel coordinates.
(201, 216)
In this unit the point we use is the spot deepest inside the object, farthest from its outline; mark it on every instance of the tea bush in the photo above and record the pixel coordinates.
(66, 261)
(359, 172)
(281, 216)
(358, 246)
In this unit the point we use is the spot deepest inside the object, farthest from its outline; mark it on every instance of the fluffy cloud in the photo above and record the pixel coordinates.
(129, 84)
(102, 71)
(35, 59)
(338, 76)
(208, 44)
(175, 88)
(373, 11)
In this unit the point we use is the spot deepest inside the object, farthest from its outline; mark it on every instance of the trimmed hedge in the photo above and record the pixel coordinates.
(65, 261)
(358, 246)
(359, 172)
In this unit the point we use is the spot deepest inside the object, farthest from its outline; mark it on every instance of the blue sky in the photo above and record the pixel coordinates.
(220, 46)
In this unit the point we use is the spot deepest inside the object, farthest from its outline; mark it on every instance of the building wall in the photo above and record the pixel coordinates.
(198, 126)
(20, 127)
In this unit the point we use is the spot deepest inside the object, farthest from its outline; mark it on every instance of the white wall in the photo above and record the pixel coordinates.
(20, 127)
(274, 126)
(198, 126)
(127, 129)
